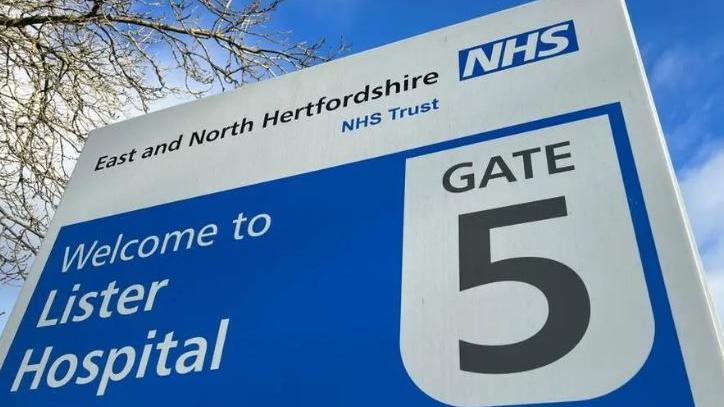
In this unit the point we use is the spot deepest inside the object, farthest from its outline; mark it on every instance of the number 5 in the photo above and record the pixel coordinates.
(569, 306)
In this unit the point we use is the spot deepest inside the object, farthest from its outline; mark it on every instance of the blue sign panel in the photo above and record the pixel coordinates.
(278, 294)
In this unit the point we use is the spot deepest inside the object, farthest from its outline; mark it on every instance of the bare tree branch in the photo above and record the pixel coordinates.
(68, 66)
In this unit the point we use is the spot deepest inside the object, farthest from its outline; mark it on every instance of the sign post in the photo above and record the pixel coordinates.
(483, 215)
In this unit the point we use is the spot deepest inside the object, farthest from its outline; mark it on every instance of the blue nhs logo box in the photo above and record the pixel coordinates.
(521, 49)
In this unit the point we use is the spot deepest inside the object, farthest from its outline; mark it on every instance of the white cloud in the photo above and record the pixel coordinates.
(8, 294)
(669, 67)
(687, 83)
(686, 66)
(703, 188)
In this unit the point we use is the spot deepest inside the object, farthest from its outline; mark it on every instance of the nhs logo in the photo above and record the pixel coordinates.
(518, 50)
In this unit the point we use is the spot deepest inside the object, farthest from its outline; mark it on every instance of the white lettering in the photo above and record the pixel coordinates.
(478, 56)
(512, 48)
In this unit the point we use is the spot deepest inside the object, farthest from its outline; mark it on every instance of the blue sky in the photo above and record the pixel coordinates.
(683, 50)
